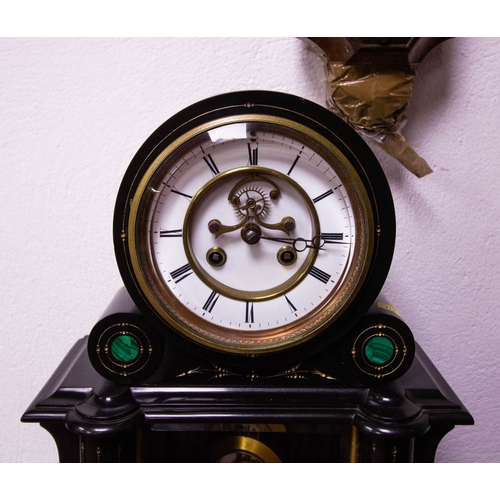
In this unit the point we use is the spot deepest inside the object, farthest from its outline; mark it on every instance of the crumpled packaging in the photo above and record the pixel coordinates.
(373, 102)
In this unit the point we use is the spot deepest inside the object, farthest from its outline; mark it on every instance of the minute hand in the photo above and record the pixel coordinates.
(301, 244)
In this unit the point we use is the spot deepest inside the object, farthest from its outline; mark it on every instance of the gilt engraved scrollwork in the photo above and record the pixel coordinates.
(219, 372)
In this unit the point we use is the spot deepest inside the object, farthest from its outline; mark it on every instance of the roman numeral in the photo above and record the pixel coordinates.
(249, 318)
(323, 196)
(181, 273)
(332, 236)
(292, 307)
(211, 301)
(319, 274)
(211, 164)
(253, 154)
(172, 233)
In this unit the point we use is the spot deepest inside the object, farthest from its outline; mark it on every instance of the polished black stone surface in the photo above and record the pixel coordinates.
(302, 414)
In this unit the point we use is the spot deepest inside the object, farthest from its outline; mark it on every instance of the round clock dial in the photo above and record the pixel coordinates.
(251, 223)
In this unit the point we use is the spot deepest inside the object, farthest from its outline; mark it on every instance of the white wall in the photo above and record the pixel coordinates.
(74, 111)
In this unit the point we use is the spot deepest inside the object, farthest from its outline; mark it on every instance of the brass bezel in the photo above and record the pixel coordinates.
(237, 341)
(232, 292)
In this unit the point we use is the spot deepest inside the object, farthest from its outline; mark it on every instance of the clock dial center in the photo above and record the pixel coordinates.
(251, 234)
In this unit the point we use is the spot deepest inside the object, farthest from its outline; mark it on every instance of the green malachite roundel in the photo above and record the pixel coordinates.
(379, 350)
(125, 348)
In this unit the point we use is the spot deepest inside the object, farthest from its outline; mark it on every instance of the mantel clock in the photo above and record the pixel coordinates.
(253, 232)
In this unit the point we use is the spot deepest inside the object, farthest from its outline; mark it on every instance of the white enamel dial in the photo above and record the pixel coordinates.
(249, 235)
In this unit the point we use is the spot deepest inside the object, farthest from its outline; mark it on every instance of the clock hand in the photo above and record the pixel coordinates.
(301, 244)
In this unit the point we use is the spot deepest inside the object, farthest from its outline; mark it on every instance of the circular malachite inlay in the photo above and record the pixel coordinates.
(125, 348)
(379, 350)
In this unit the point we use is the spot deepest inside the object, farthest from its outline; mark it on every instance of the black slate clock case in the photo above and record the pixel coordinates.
(135, 390)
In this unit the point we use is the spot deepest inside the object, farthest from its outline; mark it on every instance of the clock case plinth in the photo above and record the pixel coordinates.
(204, 416)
